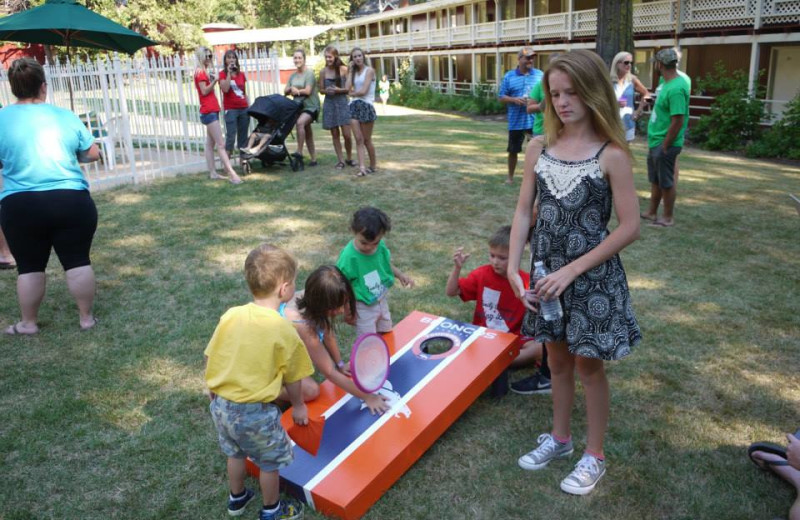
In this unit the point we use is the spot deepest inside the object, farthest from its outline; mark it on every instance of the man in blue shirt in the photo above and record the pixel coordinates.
(514, 91)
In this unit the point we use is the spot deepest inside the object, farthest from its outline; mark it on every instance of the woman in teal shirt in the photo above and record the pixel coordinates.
(45, 199)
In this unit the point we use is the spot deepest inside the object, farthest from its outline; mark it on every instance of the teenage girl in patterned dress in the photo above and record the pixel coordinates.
(578, 169)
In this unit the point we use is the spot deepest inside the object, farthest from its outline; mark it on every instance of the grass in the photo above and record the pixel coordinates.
(112, 423)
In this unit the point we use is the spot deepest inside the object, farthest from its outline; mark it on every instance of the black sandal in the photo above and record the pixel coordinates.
(767, 447)
(339, 165)
(362, 172)
(350, 162)
(313, 163)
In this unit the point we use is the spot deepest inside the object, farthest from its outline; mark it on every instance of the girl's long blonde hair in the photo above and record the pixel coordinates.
(589, 79)
(618, 58)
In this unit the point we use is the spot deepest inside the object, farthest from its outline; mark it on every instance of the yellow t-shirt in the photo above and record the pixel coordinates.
(252, 353)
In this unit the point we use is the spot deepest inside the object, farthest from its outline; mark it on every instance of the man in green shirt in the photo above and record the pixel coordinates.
(665, 133)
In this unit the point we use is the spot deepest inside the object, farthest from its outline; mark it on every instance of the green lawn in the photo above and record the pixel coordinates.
(112, 423)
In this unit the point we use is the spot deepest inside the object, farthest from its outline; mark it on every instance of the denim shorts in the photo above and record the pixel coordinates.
(252, 430)
(207, 119)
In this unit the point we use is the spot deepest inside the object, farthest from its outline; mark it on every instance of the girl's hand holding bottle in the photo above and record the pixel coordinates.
(554, 284)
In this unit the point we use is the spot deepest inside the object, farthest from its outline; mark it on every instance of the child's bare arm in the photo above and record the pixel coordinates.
(406, 281)
(207, 391)
(459, 258)
(299, 410)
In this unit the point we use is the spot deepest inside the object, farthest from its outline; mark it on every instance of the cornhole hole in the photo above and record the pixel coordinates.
(438, 368)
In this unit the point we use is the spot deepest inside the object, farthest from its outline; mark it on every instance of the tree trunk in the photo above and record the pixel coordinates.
(614, 28)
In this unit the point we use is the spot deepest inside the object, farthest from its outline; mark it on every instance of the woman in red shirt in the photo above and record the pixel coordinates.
(204, 81)
(234, 100)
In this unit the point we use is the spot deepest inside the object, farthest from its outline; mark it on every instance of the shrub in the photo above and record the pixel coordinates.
(735, 115)
(783, 139)
(407, 93)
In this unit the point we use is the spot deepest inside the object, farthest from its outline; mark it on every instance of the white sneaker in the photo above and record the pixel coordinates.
(548, 449)
(584, 477)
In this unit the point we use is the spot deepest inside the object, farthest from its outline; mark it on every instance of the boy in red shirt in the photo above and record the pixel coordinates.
(496, 306)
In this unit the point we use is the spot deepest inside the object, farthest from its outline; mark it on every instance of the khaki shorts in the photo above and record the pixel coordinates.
(252, 430)
(373, 318)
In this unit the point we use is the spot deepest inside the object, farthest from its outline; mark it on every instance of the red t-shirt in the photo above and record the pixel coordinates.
(208, 103)
(496, 307)
(235, 98)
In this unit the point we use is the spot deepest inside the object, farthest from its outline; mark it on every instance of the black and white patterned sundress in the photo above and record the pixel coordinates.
(335, 108)
(574, 210)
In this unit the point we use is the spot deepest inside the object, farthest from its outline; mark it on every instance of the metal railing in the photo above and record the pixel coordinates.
(667, 16)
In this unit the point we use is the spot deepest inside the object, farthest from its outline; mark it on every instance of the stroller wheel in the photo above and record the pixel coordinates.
(246, 168)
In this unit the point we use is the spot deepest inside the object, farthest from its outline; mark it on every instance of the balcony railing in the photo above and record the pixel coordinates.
(651, 17)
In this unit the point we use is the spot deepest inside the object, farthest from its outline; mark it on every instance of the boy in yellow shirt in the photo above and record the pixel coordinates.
(253, 353)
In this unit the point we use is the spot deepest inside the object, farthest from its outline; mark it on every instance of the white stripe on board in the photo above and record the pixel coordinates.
(332, 465)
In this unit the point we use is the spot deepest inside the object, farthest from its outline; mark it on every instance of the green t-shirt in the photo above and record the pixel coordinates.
(672, 99)
(370, 275)
(537, 94)
(303, 80)
(681, 74)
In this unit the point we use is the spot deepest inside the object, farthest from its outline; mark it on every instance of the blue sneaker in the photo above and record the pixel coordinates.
(289, 509)
(236, 505)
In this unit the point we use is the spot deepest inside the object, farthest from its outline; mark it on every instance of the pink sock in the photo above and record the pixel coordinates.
(598, 456)
(559, 439)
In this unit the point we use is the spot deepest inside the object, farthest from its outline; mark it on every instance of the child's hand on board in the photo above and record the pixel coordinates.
(376, 403)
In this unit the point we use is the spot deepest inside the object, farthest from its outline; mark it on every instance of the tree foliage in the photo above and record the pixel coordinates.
(279, 13)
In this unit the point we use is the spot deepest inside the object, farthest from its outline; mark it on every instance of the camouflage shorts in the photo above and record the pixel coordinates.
(252, 430)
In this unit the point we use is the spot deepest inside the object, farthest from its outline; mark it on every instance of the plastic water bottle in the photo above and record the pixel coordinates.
(550, 310)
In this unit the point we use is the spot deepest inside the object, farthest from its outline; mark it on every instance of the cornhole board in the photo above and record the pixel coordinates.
(362, 455)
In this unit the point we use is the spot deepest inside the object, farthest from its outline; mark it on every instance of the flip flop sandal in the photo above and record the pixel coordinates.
(767, 447)
(14, 331)
(339, 165)
(90, 327)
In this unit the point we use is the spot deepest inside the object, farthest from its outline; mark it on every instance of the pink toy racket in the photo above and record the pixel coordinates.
(369, 362)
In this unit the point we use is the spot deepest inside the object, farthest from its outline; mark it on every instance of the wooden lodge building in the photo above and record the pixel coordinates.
(456, 45)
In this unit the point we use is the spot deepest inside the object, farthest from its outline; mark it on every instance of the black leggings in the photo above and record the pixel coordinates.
(34, 222)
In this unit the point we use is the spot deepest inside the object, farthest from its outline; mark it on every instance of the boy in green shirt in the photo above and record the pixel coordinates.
(367, 264)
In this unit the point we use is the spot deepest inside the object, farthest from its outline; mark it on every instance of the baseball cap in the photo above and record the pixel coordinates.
(666, 56)
(526, 52)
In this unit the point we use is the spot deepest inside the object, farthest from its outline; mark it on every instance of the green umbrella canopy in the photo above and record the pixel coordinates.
(65, 22)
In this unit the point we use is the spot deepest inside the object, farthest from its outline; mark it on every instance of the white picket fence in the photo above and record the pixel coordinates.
(144, 113)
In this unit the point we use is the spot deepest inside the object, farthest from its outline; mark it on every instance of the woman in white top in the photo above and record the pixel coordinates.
(624, 85)
(361, 85)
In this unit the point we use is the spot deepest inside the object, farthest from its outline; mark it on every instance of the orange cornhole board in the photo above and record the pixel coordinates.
(362, 455)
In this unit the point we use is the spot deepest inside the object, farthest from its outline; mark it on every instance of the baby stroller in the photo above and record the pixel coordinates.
(281, 114)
